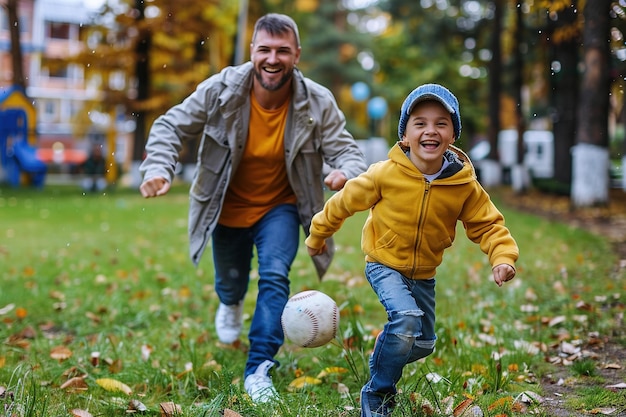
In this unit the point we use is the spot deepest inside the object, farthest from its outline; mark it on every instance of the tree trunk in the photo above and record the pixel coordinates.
(590, 163)
(490, 170)
(16, 48)
(565, 96)
(623, 119)
(520, 179)
(495, 87)
(142, 74)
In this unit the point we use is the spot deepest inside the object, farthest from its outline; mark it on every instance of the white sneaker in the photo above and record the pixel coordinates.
(228, 322)
(259, 385)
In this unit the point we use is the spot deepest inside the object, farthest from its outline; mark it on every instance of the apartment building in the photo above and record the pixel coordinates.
(52, 30)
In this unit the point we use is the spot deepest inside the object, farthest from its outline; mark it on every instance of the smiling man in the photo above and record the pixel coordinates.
(265, 132)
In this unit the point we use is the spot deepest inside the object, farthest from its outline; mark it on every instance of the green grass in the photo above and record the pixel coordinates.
(110, 274)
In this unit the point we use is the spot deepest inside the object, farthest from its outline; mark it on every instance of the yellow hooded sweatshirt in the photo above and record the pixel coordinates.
(411, 220)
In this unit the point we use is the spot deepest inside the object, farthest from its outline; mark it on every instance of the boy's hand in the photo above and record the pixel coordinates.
(315, 252)
(503, 273)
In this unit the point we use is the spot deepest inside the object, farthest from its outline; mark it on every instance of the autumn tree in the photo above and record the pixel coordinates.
(148, 56)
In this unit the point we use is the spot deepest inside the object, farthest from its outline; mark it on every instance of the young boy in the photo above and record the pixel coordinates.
(415, 199)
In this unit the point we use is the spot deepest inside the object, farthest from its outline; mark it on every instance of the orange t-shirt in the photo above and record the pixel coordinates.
(260, 182)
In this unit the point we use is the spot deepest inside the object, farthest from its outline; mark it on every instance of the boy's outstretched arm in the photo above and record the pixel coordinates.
(503, 273)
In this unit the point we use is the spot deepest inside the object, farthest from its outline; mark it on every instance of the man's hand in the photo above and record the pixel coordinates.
(335, 180)
(503, 273)
(154, 187)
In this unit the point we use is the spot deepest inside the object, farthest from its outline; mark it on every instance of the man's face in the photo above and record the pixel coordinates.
(274, 58)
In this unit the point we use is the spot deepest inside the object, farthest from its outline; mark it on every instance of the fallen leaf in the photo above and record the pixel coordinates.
(136, 405)
(434, 377)
(530, 397)
(422, 402)
(170, 409)
(569, 348)
(343, 390)
(93, 317)
(114, 365)
(114, 385)
(331, 370)
(57, 295)
(6, 309)
(230, 413)
(21, 313)
(76, 383)
(462, 407)
(556, 320)
(302, 382)
(60, 353)
(475, 411)
(500, 402)
(146, 351)
(81, 413)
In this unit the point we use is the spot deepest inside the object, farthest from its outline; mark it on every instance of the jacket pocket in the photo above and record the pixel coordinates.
(389, 238)
(211, 172)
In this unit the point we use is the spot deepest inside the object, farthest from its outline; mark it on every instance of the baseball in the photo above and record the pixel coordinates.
(310, 319)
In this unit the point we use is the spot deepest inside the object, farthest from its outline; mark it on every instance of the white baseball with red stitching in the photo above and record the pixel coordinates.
(310, 319)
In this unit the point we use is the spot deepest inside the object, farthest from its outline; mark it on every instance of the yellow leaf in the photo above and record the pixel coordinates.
(479, 369)
(501, 402)
(111, 384)
(332, 370)
(303, 381)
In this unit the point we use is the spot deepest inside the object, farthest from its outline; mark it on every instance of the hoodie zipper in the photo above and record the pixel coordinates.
(418, 239)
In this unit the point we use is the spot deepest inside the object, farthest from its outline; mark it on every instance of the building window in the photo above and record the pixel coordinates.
(58, 71)
(58, 30)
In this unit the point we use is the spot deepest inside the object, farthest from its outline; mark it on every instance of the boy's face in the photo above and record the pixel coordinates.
(428, 133)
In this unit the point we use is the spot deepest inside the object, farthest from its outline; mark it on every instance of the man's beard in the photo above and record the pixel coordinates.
(273, 87)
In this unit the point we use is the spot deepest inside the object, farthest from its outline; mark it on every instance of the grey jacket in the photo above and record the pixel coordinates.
(218, 113)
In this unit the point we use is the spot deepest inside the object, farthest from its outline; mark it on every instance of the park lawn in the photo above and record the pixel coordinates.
(101, 311)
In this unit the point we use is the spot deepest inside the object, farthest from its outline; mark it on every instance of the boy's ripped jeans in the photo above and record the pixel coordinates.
(409, 334)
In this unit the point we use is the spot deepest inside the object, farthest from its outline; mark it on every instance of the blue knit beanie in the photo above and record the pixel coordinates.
(431, 92)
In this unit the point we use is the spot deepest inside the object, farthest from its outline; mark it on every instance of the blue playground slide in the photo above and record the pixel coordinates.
(16, 155)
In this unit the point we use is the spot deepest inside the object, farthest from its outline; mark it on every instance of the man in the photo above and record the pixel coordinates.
(266, 133)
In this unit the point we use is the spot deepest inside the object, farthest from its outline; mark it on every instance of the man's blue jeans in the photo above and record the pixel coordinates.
(276, 237)
(409, 333)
